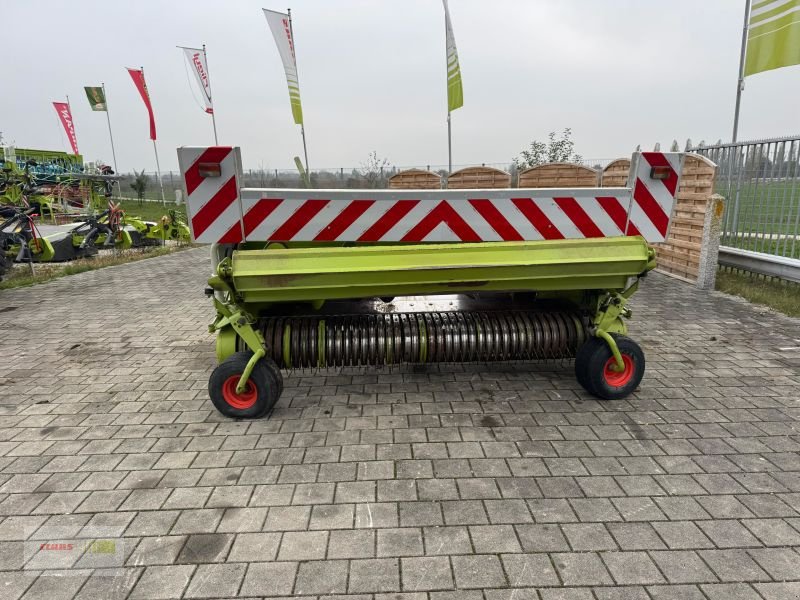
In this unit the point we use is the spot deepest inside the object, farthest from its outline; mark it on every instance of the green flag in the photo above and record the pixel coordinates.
(773, 40)
(455, 94)
(97, 98)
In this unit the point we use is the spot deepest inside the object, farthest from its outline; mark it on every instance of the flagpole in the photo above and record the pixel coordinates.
(110, 136)
(213, 115)
(302, 126)
(155, 151)
(740, 82)
(449, 146)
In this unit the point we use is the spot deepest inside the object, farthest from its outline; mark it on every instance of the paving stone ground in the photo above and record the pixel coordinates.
(119, 480)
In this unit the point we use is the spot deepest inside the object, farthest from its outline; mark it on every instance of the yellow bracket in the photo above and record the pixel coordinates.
(619, 365)
(611, 309)
(229, 315)
(248, 369)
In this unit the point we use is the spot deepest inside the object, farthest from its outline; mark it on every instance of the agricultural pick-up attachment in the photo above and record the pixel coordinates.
(541, 274)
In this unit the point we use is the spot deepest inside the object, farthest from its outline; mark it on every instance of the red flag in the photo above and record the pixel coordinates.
(62, 108)
(138, 80)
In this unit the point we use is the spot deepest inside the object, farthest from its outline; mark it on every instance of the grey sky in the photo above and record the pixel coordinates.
(372, 77)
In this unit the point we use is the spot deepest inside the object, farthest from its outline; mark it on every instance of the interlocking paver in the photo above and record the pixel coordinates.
(477, 571)
(269, 579)
(529, 570)
(682, 566)
(216, 580)
(434, 483)
(162, 583)
(322, 577)
(632, 568)
(374, 575)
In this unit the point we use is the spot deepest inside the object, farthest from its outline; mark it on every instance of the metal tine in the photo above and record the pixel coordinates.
(356, 341)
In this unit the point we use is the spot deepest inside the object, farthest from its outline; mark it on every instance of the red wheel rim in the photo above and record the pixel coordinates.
(618, 378)
(241, 401)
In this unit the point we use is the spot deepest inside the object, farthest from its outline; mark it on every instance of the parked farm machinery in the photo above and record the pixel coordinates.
(541, 273)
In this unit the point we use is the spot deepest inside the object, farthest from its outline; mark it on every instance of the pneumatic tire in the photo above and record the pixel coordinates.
(593, 368)
(260, 395)
(582, 359)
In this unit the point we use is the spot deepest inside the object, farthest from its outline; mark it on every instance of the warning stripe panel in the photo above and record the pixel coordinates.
(533, 212)
(192, 176)
(495, 218)
(343, 220)
(442, 213)
(412, 220)
(211, 211)
(220, 212)
(387, 221)
(212, 203)
(654, 199)
(579, 217)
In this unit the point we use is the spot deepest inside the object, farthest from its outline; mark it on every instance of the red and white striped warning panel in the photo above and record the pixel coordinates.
(211, 182)
(220, 212)
(656, 176)
(432, 216)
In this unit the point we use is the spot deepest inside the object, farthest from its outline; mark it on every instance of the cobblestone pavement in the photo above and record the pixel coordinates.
(119, 480)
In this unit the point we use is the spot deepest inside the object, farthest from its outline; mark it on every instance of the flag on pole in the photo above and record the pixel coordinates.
(773, 40)
(138, 80)
(455, 93)
(65, 115)
(281, 30)
(197, 60)
(97, 98)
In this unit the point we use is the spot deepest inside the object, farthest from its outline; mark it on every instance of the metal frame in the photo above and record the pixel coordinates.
(758, 262)
(761, 224)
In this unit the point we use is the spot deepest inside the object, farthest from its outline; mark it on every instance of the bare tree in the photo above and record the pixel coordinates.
(374, 170)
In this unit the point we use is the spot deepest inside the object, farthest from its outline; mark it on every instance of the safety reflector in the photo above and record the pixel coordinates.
(209, 169)
(660, 172)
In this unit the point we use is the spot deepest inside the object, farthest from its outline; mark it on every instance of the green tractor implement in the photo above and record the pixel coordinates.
(332, 278)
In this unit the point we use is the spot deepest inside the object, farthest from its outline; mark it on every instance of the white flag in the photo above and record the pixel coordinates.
(282, 32)
(197, 61)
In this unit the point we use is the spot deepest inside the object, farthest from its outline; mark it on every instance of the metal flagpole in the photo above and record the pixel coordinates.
(155, 151)
(449, 146)
(213, 115)
(740, 82)
(302, 126)
(158, 173)
(111, 137)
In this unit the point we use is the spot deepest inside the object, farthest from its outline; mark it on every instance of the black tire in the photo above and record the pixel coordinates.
(263, 387)
(593, 373)
(273, 366)
(585, 352)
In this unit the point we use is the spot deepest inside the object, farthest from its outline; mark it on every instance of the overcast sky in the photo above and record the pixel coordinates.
(372, 77)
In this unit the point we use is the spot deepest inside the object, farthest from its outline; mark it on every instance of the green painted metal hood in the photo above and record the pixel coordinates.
(327, 273)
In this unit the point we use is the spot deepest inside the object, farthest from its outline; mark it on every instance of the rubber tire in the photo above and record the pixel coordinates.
(590, 365)
(268, 385)
(582, 359)
(276, 371)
